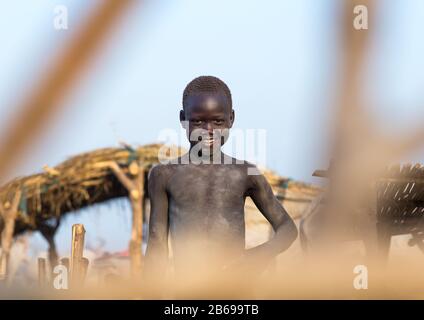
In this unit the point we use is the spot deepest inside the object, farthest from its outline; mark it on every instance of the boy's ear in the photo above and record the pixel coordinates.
(232, 117)
(182, 118)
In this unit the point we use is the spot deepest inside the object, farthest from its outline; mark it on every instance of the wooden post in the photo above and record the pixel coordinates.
(137, 205)
(65, 262)
(8, 212)
(42, 273)
(384, 237)
(84, 267)
(3, 267)
(48, 232)
(53, 257)
(136, 237)
(135, 189)
(76, 270)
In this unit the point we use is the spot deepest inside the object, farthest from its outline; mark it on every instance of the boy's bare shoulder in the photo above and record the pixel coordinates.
(243, 164)
(255, 177)
(163, 171)
(248, 167)
(160, 173)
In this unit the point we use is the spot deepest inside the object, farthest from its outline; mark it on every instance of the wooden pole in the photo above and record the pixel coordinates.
(65, 262)
(42, 273)
(135, 187)
(137, 198)
(48, 232)
(8, 212)
(43, 102)
(84, 267)
(53, 257)
(3, 267)
(77, 268)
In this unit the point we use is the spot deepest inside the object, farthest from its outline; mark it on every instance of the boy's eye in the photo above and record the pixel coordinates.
(196, 122)
(219, 122)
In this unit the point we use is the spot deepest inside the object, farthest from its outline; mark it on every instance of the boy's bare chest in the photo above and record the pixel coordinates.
(207, 183)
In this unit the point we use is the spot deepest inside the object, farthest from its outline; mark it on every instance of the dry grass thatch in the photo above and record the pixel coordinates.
(400, 194)
(74, 184)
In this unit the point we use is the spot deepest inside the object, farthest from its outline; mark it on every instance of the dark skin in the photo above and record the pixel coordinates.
(202, 205)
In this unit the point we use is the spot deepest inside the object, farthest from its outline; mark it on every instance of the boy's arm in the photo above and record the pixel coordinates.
(285, 229)
(157, 245)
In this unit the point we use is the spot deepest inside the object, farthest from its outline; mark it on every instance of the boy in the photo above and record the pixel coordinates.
(200, 200)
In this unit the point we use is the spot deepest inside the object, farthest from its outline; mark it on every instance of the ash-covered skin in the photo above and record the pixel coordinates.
(202, 205)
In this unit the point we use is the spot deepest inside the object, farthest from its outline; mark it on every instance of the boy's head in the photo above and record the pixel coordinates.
(207, 110)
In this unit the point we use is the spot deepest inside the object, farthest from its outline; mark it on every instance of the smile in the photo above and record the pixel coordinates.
(208, 141)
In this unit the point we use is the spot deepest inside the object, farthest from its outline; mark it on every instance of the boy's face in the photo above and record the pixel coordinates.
(209, 116)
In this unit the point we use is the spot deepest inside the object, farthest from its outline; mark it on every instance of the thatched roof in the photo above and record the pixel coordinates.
(74, 184)
(80, 182)
(400, 194)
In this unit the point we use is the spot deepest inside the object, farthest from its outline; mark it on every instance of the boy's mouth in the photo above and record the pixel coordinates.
(208, 141)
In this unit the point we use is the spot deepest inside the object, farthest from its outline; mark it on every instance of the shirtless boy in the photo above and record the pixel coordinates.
(200, 199)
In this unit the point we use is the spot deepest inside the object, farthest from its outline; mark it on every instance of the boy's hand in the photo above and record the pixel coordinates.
(252, 261)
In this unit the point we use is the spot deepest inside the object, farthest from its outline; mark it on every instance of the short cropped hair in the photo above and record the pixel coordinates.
(206, 84)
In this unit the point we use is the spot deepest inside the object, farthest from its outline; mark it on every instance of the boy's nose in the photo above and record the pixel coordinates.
(209, 127)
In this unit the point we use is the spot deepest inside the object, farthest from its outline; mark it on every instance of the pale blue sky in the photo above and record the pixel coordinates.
(278, 57)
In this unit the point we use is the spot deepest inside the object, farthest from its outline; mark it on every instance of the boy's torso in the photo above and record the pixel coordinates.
(206, 207)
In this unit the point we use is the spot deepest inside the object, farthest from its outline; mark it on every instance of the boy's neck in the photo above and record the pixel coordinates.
(212, 156)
